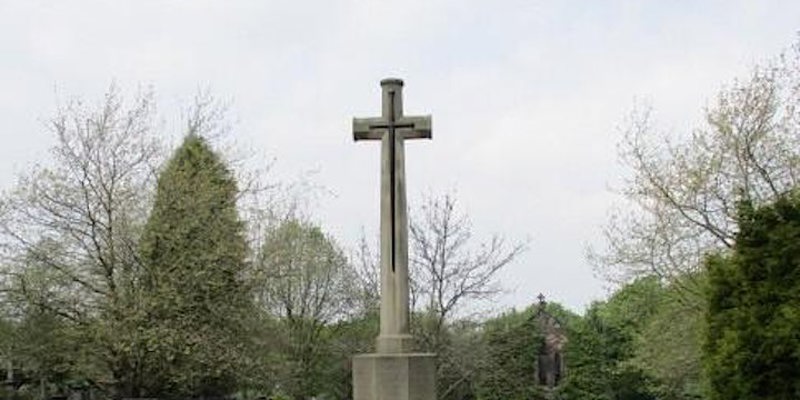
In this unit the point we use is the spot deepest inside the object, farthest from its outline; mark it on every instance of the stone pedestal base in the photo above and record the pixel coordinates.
(390, 344)
(394, 376)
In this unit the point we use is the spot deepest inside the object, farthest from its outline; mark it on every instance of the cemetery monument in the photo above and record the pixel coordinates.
(394, 371)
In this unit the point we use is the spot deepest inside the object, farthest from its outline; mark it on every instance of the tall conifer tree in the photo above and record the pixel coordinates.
(194, 249)
(752, 348)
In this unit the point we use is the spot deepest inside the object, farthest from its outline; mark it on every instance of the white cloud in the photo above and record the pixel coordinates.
(525, 95)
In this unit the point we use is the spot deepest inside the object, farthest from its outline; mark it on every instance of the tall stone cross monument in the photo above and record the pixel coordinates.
(394, 372)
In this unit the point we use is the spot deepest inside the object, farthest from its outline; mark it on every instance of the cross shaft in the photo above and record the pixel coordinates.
(392, 128)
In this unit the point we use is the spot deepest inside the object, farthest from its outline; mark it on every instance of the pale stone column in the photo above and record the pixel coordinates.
(394, 334)
(393, 372)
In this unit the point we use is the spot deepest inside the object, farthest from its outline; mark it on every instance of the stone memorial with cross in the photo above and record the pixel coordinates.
(394, 371)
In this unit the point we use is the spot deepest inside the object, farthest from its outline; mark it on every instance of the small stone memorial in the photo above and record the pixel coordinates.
(394, 371)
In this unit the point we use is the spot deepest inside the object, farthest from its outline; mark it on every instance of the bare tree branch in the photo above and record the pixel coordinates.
(448, 269)
(680, 200)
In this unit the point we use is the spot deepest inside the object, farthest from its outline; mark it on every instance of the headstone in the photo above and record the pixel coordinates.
(394, 371)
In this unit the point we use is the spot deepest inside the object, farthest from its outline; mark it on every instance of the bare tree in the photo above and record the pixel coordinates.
(681, 199)
(80, 219)
(69, 230)
(449, 271)
(366, 265)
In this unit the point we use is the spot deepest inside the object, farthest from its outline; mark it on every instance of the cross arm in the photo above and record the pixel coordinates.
(373, 128)
(416, 127)
(364, 128)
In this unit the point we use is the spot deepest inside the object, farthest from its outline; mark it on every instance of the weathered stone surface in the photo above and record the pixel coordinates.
(410, 376)
(394, 372)
(392, 128)
(390, 344)
(551, 367)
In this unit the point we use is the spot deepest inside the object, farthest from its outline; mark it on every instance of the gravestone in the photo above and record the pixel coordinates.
(394, 371)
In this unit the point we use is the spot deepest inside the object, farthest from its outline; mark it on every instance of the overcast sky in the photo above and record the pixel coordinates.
(526, 96)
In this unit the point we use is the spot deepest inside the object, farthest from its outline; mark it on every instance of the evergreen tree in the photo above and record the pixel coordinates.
(601, 347)
(196, 300)
(513, 344)
(752, 348)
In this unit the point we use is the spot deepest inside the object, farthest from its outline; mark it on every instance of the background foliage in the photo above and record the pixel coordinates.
(752, 343)
(127, 274)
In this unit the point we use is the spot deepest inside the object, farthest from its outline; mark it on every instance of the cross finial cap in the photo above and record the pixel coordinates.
(392, 82)
(392, 89)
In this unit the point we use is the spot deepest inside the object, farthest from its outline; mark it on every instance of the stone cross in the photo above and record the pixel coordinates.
(392, 128)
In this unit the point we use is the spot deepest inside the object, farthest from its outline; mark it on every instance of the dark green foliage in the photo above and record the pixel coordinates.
(642, 343)
(194, 300)
(44, 351)
(513, 342)
(667, 346)
(593, 351)
(308, 284)
(634, 305)
(601, 346)
(348, 338)
(564, 316)
(753, 337)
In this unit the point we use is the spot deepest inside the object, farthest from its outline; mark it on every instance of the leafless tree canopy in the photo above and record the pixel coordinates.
(366, 266)
(75, 225)
(448, 268)
(681, 199)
